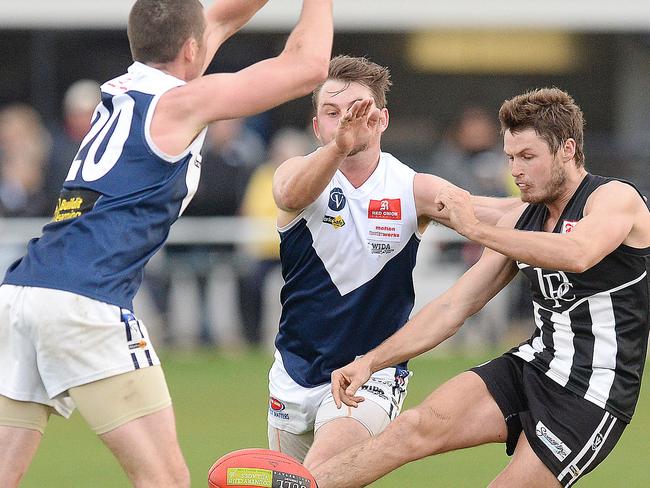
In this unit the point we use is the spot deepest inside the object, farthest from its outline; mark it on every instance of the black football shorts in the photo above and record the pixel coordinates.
(568, 433)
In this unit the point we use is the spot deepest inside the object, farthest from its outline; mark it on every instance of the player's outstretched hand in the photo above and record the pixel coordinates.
(357, 125)
(347, 380)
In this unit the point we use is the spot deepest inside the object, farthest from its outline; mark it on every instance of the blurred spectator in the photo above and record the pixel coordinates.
(230, 154)
(24, 147)
(79, 103)
(470, 157)
(263, 255)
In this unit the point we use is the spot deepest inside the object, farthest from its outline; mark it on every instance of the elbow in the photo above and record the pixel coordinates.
(451, 319)
(579, 265)
(288, 200)
(314, 72)
(580, 261)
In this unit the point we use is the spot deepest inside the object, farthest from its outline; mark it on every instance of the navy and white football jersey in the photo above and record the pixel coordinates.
(592, 327)
(119, 200)
(347, 262)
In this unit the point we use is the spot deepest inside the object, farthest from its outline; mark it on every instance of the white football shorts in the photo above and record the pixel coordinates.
(52, 340)
(296, 409)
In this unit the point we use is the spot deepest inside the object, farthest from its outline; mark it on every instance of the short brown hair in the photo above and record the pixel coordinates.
(157, 29)
(551, 112)
(358, 70)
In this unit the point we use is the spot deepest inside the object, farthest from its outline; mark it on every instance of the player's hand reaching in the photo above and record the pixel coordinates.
(357, 126)
(457, 202)
(347, 380)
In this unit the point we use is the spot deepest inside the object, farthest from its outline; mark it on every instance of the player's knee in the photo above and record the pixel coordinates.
(182, 477)
(416, 430)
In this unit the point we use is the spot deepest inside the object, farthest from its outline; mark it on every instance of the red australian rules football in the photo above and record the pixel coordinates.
(259, 468)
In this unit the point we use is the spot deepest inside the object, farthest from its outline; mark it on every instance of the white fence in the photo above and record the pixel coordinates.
(431, 278)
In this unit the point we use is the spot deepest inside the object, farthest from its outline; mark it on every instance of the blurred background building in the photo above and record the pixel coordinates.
(452, 64)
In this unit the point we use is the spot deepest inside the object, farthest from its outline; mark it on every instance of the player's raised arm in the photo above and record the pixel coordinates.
(610, 216)
(436, 322)
(223, 19)
(183, 111)
(299, 181)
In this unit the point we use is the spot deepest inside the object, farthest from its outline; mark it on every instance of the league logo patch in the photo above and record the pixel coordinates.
(337, 199)
(568, 225)
(386, 208)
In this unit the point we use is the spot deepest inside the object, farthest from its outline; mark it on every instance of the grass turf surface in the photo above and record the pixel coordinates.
(221, 404)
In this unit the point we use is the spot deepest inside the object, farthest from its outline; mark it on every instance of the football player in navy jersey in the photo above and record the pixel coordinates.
(350, 219)
(560, 400)
(68, 334)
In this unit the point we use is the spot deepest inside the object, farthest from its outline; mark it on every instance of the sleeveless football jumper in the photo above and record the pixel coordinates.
(119, 200)
(347, 262)
(592, 327)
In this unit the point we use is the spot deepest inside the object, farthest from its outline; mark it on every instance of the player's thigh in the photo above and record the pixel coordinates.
(24, 415)
(133, 416)
(111, 402)
(525, 469)
(460, 413)
(337, 429)
(295, 445)
(148, 451)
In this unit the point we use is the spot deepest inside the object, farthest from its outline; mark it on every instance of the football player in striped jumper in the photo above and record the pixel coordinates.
(350, 221)
(560, 400)
(68, 335)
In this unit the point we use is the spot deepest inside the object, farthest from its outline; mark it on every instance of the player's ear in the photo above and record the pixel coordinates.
(568, 149)
(190, 49)
(314, 126)
(383, 119)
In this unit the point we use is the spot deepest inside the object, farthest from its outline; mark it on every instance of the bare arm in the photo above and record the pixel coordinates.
(491, 209)
(223, 19)
(609, 218)
(436, 322)
(183, 111)
(426, 188)
(299, 181)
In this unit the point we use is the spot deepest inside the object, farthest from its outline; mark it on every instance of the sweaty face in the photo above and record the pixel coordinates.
(334, 99)
(539, 174)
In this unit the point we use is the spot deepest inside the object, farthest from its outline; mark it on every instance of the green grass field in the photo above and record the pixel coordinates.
(221, 405)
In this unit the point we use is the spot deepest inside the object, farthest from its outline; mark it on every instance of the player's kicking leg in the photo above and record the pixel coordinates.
(461, 413)
(133, 416)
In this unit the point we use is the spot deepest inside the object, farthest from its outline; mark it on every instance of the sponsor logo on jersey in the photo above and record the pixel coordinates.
(74, 203)
(336, 222)
(553, 442)
(380, 248)
(386, 208)
(385, 232)
(568, 225)
(337, 200)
